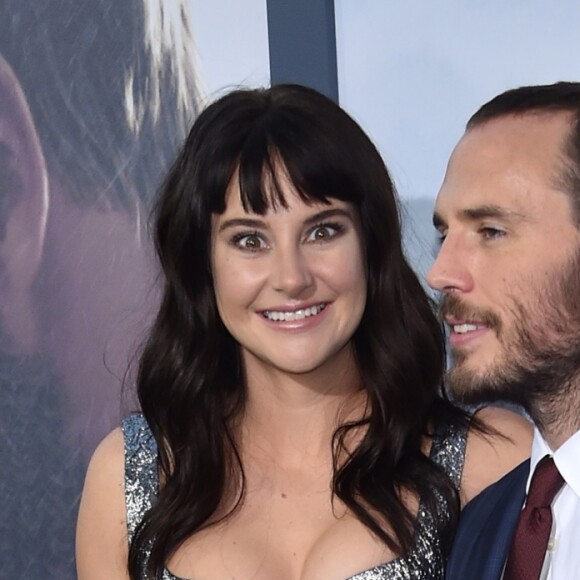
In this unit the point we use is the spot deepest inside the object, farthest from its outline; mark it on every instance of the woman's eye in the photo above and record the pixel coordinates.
(324, 232)
(251, 242)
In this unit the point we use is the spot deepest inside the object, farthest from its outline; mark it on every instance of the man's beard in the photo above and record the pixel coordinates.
(539, 369)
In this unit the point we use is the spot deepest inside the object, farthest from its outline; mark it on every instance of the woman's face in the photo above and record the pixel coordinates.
(291, 284)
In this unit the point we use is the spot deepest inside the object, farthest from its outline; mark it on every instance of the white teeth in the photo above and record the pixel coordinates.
(463, 328)
(295, 315)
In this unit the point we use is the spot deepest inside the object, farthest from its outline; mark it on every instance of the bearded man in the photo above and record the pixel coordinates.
(508, 269)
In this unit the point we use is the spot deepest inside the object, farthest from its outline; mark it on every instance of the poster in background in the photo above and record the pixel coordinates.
(95, 97)
(85, 136)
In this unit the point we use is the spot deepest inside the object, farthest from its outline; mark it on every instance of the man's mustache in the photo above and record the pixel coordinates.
(451, 306)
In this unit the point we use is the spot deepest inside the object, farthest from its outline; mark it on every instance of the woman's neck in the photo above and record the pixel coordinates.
(292, 417)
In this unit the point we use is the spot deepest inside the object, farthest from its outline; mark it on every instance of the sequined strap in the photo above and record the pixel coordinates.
(141, 477)
(448, 449)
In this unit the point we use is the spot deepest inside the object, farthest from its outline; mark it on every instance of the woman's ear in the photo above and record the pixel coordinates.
(23, 213)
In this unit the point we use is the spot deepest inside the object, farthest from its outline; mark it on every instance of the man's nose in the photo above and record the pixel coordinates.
(450, 270)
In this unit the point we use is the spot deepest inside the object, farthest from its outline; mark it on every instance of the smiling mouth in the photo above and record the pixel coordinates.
(290, 315)
(466, 327)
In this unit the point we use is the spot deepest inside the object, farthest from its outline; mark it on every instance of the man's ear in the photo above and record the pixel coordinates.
(23, 212)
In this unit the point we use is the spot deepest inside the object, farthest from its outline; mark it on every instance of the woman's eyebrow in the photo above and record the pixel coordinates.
(328, 213)
(242, 222)
(261, 224)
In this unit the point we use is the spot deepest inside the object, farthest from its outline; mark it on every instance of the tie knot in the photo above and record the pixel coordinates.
(545, 484)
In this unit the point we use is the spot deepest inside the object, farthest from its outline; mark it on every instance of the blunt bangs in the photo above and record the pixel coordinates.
(305, 146)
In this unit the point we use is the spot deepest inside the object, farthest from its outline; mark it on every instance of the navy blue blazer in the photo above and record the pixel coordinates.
(486, 528)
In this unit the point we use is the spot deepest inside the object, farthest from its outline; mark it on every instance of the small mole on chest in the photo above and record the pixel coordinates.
(283, 495)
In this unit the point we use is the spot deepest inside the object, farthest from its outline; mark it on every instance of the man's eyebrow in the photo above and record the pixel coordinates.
(491, 211)
(481, 212)
(261, 224)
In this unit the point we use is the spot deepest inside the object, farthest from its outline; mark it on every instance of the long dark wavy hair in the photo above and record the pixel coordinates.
(191, 384)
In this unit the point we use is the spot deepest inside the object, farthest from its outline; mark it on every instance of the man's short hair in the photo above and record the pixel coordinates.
(562, 97)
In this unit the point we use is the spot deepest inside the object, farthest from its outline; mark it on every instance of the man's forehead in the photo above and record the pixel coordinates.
(510, 162)
(531, 135)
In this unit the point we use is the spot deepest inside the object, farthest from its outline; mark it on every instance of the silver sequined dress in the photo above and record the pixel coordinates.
(424, 562)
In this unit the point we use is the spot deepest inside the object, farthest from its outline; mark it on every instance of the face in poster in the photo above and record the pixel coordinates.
(95, 97)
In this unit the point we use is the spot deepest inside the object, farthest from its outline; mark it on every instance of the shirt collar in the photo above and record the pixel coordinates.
(565, 458)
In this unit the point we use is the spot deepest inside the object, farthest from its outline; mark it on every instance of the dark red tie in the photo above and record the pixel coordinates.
(535, 524)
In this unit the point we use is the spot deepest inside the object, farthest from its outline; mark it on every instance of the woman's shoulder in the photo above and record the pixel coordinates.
(106, 467)
(101, 545)
(499, 440)
(120, 486)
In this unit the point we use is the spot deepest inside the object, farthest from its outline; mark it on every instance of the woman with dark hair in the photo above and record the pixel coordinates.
(292, 425)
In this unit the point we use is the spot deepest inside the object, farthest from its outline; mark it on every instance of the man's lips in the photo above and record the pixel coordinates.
(464, 332)
(465, 326)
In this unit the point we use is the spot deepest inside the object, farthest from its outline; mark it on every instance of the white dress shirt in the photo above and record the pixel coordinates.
(563, 555)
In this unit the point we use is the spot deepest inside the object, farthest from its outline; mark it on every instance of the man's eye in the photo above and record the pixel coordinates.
(491, 233)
